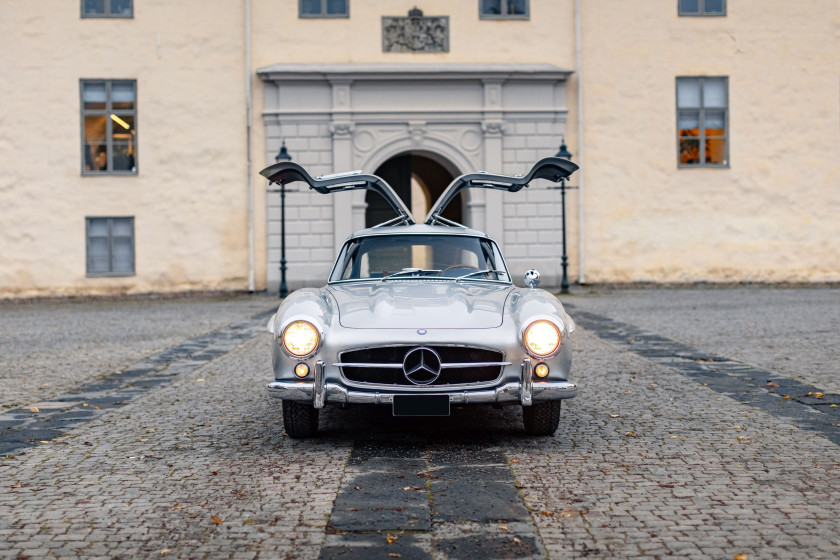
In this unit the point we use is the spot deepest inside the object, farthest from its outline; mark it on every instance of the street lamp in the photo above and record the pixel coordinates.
(283, 155)
(565, 154)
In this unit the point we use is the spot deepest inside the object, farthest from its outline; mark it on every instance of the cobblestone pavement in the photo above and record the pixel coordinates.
(648, 463)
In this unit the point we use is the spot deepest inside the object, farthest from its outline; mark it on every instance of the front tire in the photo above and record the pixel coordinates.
(541, 418)
(300, 420)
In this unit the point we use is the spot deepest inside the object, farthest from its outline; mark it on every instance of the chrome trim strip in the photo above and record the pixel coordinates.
(399, 366)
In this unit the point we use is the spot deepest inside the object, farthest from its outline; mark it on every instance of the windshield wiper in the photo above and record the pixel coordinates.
(405, 271)
(459, 278)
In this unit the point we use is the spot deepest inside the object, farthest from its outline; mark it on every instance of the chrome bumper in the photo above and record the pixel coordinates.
(525, 391)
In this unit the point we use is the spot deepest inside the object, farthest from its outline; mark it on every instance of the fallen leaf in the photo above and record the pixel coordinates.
(394, 555)
(547, 513)
(164, 552)
(215, 519)
(818, 395)
(772, 384)
(675, 437)
(33, 409)
(516, 541)
(406, 487)
(832, 406)
(84, 404)
(199, 380)
(739, 557)
(503, 527)
(630, 434)
(391, 539)
(357, 488)
(737, 427)
(514, 460)
(615, 415)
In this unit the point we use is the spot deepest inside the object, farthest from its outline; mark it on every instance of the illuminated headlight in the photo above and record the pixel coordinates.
(300, 338)
(542, 338)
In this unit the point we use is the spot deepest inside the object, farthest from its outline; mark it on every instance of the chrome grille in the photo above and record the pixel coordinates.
(383, 365)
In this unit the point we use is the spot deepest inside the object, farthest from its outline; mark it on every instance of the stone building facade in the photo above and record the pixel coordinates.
(130, 143)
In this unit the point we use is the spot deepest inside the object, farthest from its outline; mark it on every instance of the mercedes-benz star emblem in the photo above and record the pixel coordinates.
(421, 365)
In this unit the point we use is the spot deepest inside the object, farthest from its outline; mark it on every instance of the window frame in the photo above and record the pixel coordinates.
(109, 124)
(107, 14)
(701, 120)
(701, 10)
(110, 273)
(504, 16)
(323, 14)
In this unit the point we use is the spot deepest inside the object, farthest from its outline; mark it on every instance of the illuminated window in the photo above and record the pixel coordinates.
(702, 107)
(107, 8)
(702, 7)
(110, 246)
(324, 8)
(109, 137)
(503, 9)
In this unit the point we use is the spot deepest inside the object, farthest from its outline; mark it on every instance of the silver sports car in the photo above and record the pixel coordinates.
(421, 317)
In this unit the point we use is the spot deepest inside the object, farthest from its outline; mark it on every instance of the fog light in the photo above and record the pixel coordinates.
(541, 370)
(301, 370)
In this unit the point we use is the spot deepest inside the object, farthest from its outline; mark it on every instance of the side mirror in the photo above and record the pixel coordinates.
(532, 278)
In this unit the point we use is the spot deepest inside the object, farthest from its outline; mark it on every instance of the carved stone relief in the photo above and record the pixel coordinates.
(415, 33)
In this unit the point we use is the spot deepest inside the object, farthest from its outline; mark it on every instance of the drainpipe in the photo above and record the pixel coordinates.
(249, 178)
(581, 279)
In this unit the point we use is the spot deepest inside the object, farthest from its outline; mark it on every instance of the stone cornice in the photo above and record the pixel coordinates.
(392, 71)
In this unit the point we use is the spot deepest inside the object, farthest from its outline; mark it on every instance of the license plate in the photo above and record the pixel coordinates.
(421, 405)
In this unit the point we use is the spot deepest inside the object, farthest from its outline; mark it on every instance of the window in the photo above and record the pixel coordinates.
(503, 9)
(324, 8)
(110, 246)
(107, 8)
(109, 137)
(702, 7)
(702, 105)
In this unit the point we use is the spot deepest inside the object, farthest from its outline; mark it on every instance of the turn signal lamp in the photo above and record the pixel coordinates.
(301, 370)
(300, 338)
(541, 370)
(542, 338)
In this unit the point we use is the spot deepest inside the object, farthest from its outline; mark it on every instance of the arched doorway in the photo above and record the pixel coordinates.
(418, 180)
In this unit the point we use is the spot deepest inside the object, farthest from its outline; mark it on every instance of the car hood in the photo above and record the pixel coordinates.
(410, 304)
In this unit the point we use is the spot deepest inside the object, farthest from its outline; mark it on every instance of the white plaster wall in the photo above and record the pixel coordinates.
(188, 200)
(772, 215)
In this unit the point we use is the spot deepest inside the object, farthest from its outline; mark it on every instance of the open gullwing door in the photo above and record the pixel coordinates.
(287, 172)
(552, 168)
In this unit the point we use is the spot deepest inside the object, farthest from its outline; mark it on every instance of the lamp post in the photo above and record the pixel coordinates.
(565, 154)
(283, 155)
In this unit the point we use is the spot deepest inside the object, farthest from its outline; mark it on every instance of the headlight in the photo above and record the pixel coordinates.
(300, 338)
(542, 338)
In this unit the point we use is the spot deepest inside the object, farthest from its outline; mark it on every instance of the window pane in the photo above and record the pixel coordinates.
(94, 96)
(310, 6)
(689, 151)
(688, 120)
(336, 6)
(121, 7)
(123, 157)
(689, 6)
(714, 92)
(713, 6)
(688, 92)
(122, 127)
(122, 255)
(121, 226)
(122, 95)
(94, 6)
(98, 226)
(517, 7)
(716, 150)
(492, 7)
(715, 123)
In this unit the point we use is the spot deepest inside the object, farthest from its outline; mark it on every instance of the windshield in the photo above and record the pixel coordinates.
(393, 257)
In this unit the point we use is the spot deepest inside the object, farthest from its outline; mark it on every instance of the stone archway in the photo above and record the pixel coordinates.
(419, 180)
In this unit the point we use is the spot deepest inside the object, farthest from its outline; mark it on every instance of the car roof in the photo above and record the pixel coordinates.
(417, 229)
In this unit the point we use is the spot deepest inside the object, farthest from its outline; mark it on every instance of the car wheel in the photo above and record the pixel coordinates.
(542, 418)
(300, 420)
